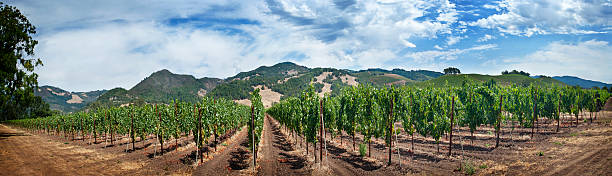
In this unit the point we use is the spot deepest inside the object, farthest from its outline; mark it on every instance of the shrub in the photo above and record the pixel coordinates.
(468, 168)
(362, 150)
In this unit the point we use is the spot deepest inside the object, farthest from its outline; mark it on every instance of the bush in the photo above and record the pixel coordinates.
(468, 168)
(362, 150)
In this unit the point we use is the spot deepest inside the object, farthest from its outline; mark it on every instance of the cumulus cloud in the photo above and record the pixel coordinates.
(93, 45)
(121, 55)
(88, 45)
(587, 59)
(527, 17)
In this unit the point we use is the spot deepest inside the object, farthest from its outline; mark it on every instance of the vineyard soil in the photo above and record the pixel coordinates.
(233, 159)
(585, 150)
(279, 156)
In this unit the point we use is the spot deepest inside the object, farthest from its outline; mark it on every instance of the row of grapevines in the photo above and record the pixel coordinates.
(371, 111)
(209, 117)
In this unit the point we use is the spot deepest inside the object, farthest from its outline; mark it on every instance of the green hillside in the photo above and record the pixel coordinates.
(64, 101)
(287, 79)
(163, 86)
(160, 87)
(396, 76)
(508, 79)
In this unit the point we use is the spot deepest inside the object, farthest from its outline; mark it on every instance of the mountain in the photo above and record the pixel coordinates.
(163, 86)
(277, 81)
(59, 99)
(160, 87)
(287, 79)
(575, 81)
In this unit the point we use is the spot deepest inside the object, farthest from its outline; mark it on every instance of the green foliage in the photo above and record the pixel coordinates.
(367, 109)
(515, 72)
(362, 149)
(451, 70)
(258, 113)
(468, 168)
(164, 121)
(501, 80)
(17, 78)
(233, 90)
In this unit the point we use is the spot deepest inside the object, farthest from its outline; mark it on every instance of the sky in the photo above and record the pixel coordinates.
(90, 45)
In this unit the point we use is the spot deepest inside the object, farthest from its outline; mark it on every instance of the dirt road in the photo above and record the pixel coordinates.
(24, 154)
(233, 159)
(279, 156)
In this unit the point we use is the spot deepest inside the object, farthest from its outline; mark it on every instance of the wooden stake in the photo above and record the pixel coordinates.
(452, 114)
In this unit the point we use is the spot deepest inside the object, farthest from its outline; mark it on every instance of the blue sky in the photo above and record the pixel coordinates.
(89, 45)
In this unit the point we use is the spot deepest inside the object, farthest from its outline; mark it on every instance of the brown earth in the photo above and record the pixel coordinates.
(582, 150)
(608, 105)
(22, 153)
(278, 155)
(234, 159)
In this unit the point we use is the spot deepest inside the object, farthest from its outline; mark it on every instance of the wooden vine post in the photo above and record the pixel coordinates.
(558, 112)
(199, 131)
(160, 132)
(390, 125)
(82, 134)
(253, 135)
(95, 135)
(321, 131)
(450, 144)
(132, 133)
(533, 122)
(176, 123)
(499, 121)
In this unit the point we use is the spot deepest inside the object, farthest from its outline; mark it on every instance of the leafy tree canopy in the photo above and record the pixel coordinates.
(17, 77)
(451, 70)
(515, 72)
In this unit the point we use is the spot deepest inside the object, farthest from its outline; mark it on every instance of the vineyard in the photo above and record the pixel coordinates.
(369, 129)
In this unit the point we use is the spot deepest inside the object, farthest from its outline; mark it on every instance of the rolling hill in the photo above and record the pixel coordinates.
(160, 87)
(508, 79)
(64, 101)
(575, 81)
(277, 82)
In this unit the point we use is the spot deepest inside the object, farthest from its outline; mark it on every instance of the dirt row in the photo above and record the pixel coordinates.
(27, 152)
(583, 150)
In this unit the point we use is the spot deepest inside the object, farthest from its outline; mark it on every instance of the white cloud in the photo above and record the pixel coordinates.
(453, 39)
(121, 55)
(485, 38)
(527, 17)
(94, 45)
(588, 59)
(432, 55)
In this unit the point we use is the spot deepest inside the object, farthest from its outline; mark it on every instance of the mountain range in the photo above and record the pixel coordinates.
(277, 82)
(575, 81)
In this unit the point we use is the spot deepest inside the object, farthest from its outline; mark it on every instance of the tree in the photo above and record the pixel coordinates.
(451, 70)
(17, 78)
(515, 72)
